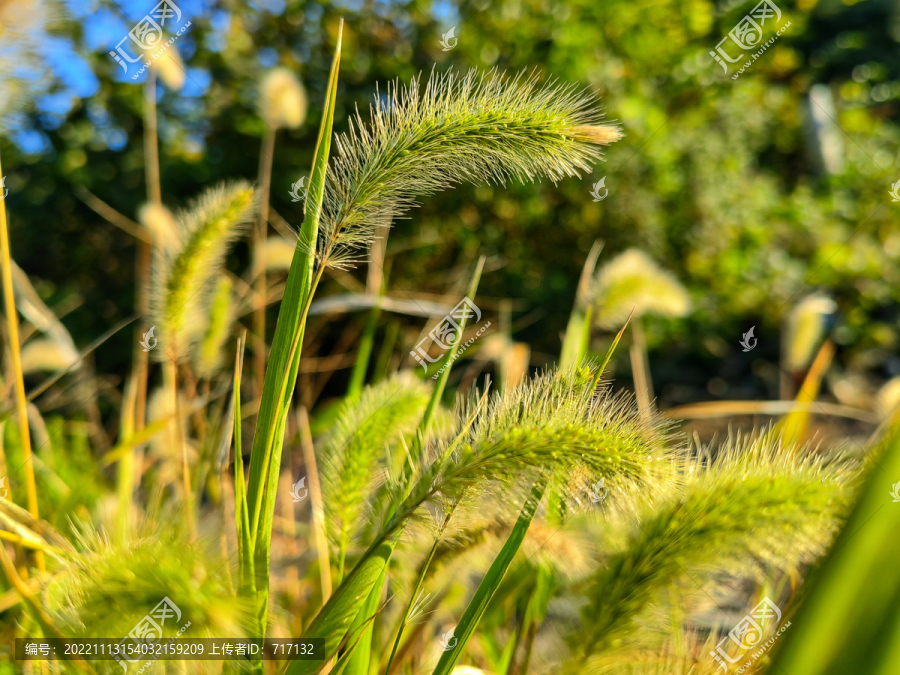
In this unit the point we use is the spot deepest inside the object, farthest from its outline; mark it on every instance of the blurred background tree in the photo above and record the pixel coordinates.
(753, 192)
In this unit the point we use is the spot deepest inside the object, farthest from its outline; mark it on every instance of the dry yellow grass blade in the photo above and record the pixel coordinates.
(12, 320)
(795, 425)
(318, 509)
(31, 532)
(713, 409)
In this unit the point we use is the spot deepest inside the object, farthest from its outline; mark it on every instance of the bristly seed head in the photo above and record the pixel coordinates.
(476, 128)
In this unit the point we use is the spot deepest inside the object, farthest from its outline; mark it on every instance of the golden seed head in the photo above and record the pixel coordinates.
(282, 99)
(161, 224)
(171, 68)
(600, 134)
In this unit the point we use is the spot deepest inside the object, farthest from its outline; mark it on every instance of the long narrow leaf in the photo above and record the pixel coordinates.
(574, 343)
(466, 626)
(241, 514)
(333, 621)
(281, 374)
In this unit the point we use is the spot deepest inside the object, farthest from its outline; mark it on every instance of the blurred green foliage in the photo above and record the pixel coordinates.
(716, 179)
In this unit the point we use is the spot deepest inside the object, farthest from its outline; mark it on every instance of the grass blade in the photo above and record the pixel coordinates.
(333, 621)
(12, 322)
(470, 618)
(578, 330)
(795, 425)
(281, 374)
(358, 376)
(241, 513)
(610, 352)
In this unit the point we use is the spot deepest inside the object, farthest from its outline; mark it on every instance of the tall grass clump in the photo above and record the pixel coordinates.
(550, 524)
(474, 128)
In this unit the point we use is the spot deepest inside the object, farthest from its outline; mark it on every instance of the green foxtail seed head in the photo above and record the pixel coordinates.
(359, 447)
(473, 128)
(752, 504)
(120, 573)
(183, 275)
(220, 312)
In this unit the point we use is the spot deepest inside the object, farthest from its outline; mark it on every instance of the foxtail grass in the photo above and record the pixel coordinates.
(753, 504)
(359, 448)
(220, 313)
(182, 273)
(472, 128)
